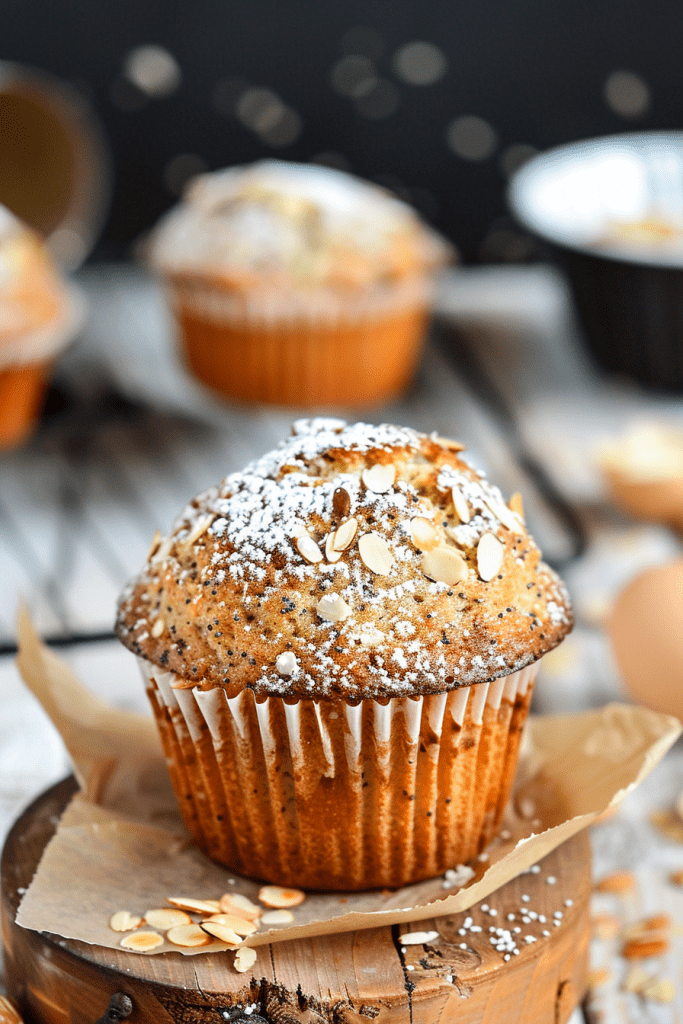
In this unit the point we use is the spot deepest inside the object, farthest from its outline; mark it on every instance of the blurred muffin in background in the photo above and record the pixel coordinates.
(38, 315)
(298, 285)
(644, 470)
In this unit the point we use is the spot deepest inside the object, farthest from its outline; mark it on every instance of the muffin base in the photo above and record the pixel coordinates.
(331, 795)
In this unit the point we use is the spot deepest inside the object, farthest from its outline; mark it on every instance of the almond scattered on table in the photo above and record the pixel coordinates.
(142, 942)
(659, 990)
(598, 977)
(222, 932)
(605, 926)
(644, 947)
(245, 957)
(123, 921)
(669, 824)
(165, 918)
(238, 924)
(188, 935)
(617, 882)
(648, 926)
(277, 917)
(237, 903)
(279, 897)
(194, 906)
(676, 878)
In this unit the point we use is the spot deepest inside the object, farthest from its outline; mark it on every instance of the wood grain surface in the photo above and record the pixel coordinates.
(353, 977)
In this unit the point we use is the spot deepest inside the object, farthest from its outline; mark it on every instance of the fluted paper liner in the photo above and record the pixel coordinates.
(120, 844)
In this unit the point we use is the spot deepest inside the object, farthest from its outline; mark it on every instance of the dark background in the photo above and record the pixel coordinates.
(536, 73)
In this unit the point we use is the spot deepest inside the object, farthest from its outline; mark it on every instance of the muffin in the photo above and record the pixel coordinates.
(340, 645)
(36, 314)
(297, 285)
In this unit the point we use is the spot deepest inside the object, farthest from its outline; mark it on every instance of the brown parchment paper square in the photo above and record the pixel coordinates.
(120, 844)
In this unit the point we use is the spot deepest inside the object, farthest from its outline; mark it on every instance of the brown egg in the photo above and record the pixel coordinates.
(646, 631)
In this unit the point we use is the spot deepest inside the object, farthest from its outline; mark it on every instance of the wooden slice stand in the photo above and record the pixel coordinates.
(353, 978)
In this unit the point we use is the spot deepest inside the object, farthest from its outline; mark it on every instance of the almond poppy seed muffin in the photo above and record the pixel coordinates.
(339, 644)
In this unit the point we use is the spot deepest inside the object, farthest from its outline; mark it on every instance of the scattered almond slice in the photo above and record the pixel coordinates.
(286, 663)
(333, 608)
(462, 509)
(277, 896)
(659, 991)
(188, 935)
(669, 824)
(198, 530)
(277, 917)
(194, 906)
(445, 442)
(676, 878)
(245, 957)
(635, 979)
(503, 514)
(490, 553)
(158, 628)
(657, 923)
(346, 534)
(164, 919)
(142, 942)
(598, 977)
(644, 947)
(516, 505)
(222, 932)
(417, 938)
(379, 478)
(444, 565)
(375, 554)
(423, 533)
(308, 548)
(237, 903)
(605, 926)
(235, 923)
(123, 921)
(162, 551)
(330, 554)
(618, 881)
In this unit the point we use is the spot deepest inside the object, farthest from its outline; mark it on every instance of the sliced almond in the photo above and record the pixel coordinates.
(162, 551)
(516, 505)
(645, 947)
(605, 926)
(676, 878)
(330, 554)
(237, 903)
(598, 977)
(423, 533)
(444, 566)
(462, 509)
(417, 938)
(194, 906)
(164, 919)
(277, 896)
(245, 957)
(222, 932)
(379, 478)
(156, 541)
(346, 534)
(333, 608)
(658, 990)
(235, 923)
(489, 556)
(504, 515)
(198, 530)
(375, 553)
(445, 442)
(341, 502)
(369, 636)
(277, 917)
(142, 942)
(618, 881)
(635, 979)
(122, 921)
(657, 923)
(188, 935)
(158, 628)
(308, 548)
(286, 663)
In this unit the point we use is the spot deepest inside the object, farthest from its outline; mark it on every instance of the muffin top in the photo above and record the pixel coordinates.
(353, 561)
(294, 225)
(30, 286)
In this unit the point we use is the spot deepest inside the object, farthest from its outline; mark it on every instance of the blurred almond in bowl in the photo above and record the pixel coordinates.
(644, 470)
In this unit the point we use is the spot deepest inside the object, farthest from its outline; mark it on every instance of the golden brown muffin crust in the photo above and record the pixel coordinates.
(250, 590)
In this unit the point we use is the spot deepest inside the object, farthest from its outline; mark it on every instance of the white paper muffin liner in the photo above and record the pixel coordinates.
(331, 795)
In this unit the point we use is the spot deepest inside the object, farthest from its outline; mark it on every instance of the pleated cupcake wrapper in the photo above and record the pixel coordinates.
(336, 795)
(273, 309)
